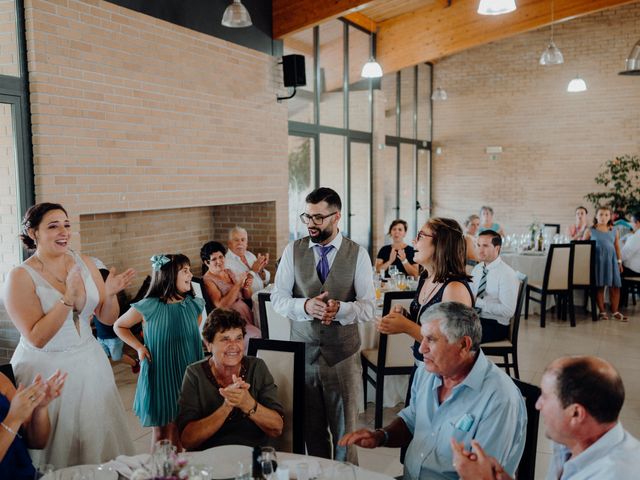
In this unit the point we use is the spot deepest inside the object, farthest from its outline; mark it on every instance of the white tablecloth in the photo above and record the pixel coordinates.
(224, 461)
(532, 265)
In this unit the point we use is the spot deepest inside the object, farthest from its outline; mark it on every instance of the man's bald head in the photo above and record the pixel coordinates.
(591, 382)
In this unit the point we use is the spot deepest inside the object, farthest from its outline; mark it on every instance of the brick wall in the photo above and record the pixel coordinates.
(129, 239)
(553, 142)
(132, 113)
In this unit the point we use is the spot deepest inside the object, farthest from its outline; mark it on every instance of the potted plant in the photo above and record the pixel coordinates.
(621, 178)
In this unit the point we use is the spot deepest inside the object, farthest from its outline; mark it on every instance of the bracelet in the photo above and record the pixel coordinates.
(253, 410)
(405, 261)
(619, 260)
(70, 305)
(10, 430)
(385, 439)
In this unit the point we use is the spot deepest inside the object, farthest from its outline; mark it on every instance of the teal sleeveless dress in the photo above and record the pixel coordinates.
(171, 335)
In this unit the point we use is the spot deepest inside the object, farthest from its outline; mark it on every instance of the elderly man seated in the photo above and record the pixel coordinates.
(227, 399)
(241, 260)
(580, 404)
(459, 394)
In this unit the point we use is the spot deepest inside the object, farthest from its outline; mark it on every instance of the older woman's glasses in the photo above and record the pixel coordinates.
(421, 235)
(315, 219)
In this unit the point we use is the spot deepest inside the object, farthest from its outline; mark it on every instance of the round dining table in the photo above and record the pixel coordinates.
(221, 462)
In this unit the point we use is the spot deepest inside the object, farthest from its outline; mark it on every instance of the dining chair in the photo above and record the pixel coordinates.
(393, 356)
(285, 361)
(630, 286)
(558, 275)
(553, 228)
(7, 369)
(504, 348)
(584, 272)
(208, 306)
(527, 466)
(272, 325)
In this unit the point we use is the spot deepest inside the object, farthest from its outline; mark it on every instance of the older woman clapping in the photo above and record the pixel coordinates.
(228, 399)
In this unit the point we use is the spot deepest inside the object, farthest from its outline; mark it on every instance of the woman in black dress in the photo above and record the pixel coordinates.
(440, 249)
(398, 253)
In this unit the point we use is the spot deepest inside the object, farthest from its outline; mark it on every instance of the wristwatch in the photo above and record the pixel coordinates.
(385, 437)
(253, 410)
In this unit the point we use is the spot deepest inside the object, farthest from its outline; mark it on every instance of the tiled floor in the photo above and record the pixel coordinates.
(615, 341)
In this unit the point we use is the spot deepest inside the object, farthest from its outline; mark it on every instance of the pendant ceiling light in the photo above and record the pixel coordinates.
(552, 54)
(439, 94)
(577, 85)
(372, 68)
(236, 16)
(496, 7)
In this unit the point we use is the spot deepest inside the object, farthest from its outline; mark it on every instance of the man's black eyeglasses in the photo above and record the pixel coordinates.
(316, 219)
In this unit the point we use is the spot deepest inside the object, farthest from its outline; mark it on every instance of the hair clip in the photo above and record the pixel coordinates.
(158, 261)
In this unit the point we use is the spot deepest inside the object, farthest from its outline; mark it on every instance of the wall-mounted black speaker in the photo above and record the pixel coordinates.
(293, 71)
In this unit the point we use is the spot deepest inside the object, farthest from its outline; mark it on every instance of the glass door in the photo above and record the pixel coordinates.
(359, 206)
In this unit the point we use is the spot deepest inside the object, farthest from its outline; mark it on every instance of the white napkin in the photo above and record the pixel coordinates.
(314, 466)
(125, 465)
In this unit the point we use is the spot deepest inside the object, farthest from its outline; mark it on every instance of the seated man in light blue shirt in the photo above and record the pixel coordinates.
(580, 403)
(458, 395)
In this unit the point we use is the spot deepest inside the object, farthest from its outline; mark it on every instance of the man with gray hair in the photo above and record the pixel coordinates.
(240, 260)
(458, 395)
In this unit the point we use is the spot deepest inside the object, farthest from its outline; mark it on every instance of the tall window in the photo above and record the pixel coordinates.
(330, 125)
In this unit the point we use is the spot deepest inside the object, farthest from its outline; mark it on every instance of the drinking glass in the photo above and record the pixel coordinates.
(268, 470)
(164, 458)
(302, 471)
(268, 454)
(344, 471)
(393, 270)
(401, 280)
(243, 472)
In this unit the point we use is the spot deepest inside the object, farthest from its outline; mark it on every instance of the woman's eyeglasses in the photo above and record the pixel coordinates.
(422, 234)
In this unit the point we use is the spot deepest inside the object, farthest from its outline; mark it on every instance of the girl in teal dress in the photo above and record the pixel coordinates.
(170, 315)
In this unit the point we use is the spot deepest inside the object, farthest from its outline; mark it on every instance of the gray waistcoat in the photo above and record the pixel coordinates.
(334, 342)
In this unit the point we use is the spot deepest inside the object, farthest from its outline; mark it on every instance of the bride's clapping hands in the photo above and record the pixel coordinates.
(118, 282)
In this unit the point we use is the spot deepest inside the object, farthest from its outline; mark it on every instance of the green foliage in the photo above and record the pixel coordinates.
(621, 178)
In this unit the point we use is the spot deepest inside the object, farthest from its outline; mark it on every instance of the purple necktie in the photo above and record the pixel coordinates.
(323, 265)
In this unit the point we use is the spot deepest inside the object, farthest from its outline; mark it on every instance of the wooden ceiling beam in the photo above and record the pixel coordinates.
(362, 21)
(290, 16)
(436, 31)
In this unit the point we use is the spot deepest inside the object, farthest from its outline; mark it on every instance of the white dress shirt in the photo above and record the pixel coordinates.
(501, 294)
(631, 252)
(234, 263)
(362, 309)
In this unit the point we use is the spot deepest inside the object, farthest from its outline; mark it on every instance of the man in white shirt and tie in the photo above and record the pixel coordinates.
(495, 286)
(240, 260)
(324, 284)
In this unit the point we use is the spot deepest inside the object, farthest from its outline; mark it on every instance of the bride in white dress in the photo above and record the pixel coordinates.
(51, 298)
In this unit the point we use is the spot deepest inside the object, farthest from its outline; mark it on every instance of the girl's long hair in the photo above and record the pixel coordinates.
(163, 281)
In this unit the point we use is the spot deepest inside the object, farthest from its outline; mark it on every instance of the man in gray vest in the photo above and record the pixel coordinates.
(324, 284)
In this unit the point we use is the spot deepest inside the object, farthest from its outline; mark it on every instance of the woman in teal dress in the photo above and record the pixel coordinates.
(170, 316)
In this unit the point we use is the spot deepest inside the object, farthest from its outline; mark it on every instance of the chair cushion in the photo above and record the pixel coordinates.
(631, 279)
(371, 354)
(500, 343)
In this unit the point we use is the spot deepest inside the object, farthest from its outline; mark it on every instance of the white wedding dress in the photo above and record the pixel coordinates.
(88, 423)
